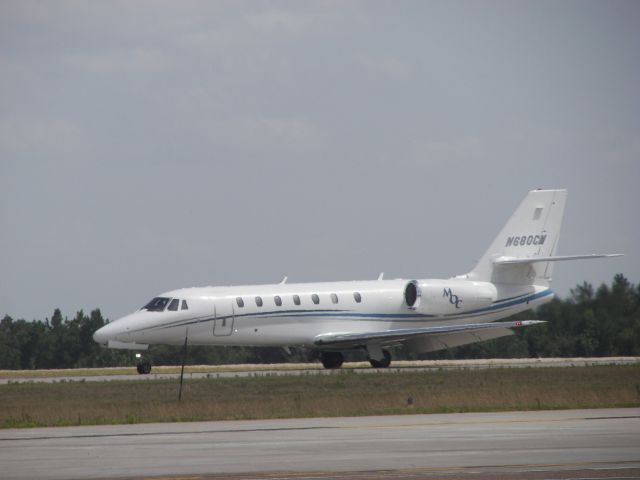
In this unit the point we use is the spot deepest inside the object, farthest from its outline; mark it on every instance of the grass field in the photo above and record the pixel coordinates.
(340, 394)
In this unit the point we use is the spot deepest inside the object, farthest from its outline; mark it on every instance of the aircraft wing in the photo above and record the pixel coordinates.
(399, 336)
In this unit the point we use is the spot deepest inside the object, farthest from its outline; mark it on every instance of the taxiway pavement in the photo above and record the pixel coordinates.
(603, 443)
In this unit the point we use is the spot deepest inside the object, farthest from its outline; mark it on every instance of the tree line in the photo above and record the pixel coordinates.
(603, 321)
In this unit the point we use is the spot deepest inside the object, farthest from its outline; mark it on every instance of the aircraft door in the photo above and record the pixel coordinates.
(223, 323)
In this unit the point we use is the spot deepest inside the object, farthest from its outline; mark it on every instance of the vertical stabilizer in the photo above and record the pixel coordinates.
(532, 231)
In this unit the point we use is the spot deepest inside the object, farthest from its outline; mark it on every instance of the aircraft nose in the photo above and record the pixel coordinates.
(106, 333)
(117, 331)
(100, 336)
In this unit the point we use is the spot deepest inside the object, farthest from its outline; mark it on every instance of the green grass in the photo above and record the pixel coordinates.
(340, 394)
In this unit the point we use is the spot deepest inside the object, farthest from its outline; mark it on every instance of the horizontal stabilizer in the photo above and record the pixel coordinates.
(394, 337)
(523, 260)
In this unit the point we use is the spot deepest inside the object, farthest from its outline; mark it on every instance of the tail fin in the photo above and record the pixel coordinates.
(532, 232)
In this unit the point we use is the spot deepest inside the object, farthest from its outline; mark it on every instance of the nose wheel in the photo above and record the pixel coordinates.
(143, 366)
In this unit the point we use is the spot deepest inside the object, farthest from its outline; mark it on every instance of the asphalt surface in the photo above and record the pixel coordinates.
(314, 369)
(538, 445)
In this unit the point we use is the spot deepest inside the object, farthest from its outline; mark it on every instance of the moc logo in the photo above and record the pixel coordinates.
(453, 298)
(522, 240)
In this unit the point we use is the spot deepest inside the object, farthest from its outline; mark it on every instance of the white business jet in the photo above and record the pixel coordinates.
(424, 315)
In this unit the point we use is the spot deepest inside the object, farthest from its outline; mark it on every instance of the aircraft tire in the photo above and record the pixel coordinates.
(144, 368)
(382, 363)
(331, 360)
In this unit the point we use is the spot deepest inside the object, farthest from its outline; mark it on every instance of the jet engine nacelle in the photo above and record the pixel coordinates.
(448, 297)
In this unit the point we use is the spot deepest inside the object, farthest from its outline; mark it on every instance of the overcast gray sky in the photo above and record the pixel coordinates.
(146, 146)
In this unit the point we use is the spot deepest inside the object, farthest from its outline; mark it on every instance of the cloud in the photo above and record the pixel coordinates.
(280, 21)
(119, 61)
(447, 153)
(41, 139)
(271, 134)
(389, 67)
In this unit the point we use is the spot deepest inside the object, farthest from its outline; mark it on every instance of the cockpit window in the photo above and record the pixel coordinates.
(158, 304)
(173, 306)
(184, 305)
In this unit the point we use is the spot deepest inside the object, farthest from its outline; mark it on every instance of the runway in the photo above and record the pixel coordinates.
(287, 369)
(549, 444)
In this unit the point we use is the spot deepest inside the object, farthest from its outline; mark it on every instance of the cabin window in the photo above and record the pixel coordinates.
(184, 305)
(173, 306)
(315, 299)
(158, 304)
(277, 300)
(334, 298)
(259, 301)
(296, 299)
(357, 297)
(240, 302)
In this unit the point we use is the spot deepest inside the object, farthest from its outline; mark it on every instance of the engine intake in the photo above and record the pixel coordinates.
(412, 294)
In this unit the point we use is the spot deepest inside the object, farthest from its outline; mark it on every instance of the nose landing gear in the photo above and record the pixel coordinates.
(143, 366)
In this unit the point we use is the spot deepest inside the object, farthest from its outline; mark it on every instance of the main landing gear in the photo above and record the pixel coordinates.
(143, 366)
(382, 363)
(333, 360)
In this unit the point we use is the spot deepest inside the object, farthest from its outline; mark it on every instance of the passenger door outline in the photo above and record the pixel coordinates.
(224, 318)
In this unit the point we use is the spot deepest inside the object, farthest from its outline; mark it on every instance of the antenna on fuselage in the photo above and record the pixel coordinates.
(284, 280)
(381, 276)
